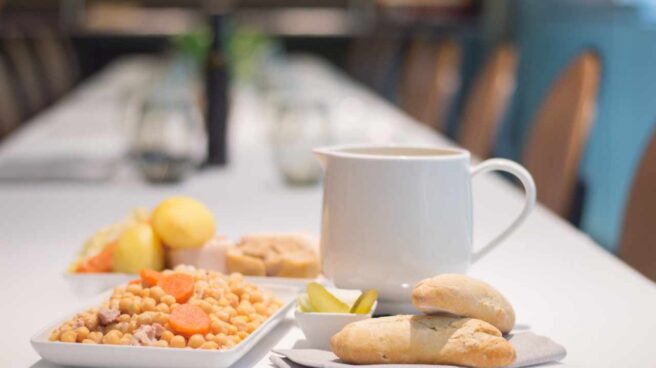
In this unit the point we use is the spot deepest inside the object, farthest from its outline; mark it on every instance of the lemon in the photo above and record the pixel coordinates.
(183, 222)
(138, 247)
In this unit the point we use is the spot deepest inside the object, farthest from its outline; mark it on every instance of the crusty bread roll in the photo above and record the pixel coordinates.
(423, 340)
(282, 255)
(464, 296)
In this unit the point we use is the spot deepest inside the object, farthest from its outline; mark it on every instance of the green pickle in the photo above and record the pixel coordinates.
(304, 303)
(365, 302)
(323, 301)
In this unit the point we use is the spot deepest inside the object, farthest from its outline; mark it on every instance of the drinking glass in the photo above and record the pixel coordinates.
(170, 138)
(300, 125)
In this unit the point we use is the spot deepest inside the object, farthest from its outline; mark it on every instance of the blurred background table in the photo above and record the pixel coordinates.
(561, 283)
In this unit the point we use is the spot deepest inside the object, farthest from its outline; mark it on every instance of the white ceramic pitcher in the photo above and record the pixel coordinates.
(394, 215)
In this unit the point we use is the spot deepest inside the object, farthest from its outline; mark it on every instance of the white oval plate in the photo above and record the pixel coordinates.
(92, 355)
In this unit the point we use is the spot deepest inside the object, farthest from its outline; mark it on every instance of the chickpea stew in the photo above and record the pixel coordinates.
(181, 308)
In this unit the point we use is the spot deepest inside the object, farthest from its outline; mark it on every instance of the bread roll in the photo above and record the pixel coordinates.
(423, 340)
(464, 296)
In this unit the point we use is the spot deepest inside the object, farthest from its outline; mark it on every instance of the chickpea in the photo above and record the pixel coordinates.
(162, 308)
(124, 318)
(125, 340)
(167, 336)
(224, 302)
(231, 311)
(65, 327)
(207, 307)
(126, 305)
(209, 345)
(260, 308)
(91, 321)
(88, 341)
(68, 336)
(54, 335)
(134, 289)
(148, 304)
(123, 326)
(178, 342)
(232, 330)
(195, 341)
(224, 316)
(156, 293)
(217, 327)
(242, 334)
(145, 318)
(256, 297)
(95, 336)
(82, 333)
(161, 344)
(221, 339)
(245, 309)
(240, 322)
(233, 299)
(161, 318)
(112, 338)
(250, 327)
(168, 299)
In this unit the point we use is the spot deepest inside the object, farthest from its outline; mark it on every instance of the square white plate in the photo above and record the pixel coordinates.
(92, 355)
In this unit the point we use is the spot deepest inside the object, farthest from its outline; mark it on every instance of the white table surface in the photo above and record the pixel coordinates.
(560, 282)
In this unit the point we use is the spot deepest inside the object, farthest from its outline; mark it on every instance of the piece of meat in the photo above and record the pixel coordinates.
(148, 334)
(107, 316)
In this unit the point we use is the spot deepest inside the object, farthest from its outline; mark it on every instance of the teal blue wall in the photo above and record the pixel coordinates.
(549, 34)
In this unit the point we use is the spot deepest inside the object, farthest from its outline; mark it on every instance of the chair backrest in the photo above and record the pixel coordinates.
(430, 80)
(371, 58)
(560, 131)
(488, 101)
(23, 64)
(59, 65)
(9, 112)
(638, 240)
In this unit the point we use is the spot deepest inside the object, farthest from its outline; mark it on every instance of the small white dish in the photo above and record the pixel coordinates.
(91, 355)
(320, 327)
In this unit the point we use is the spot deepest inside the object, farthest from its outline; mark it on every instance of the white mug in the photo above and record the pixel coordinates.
(394, 215)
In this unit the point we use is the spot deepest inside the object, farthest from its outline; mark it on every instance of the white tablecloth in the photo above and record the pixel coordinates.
(560, 282)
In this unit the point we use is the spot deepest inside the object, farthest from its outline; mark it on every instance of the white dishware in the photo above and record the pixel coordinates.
(95, 355)
(318, 328)
(87, 284)
(394, 215)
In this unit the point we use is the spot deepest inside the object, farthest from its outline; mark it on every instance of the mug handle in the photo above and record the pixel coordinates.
(518, 171)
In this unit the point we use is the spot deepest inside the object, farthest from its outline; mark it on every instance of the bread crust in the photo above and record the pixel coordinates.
(464, 296)
(407, 339)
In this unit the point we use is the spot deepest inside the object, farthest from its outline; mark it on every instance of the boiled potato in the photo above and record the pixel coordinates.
(137, 248)
(183, 222)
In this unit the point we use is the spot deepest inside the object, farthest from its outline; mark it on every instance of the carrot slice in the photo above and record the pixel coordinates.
(188, 319)
(149, 278)
(101, 262)
(178, 285)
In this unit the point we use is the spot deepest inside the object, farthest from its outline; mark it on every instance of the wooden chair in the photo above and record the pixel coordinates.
(371, 58)
(27, 73)
(58, 60)
(430, 80)
(560, 132)
(638, 239)
(488, 101)
(9, 113)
